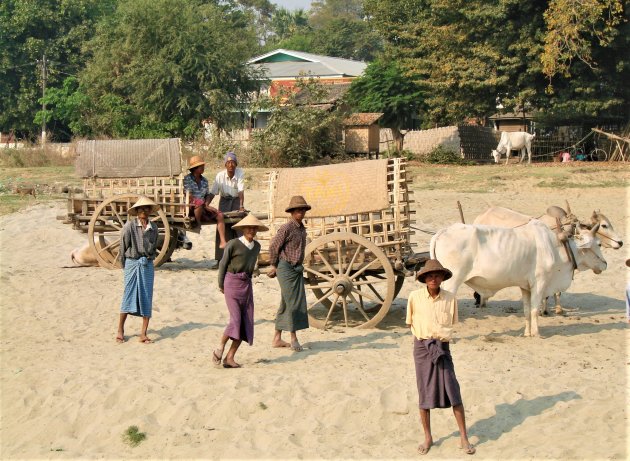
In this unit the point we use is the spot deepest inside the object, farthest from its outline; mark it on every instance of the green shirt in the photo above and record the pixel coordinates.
(238, 258)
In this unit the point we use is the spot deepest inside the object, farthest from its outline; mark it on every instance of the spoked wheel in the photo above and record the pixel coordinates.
(350, 281)
(107, 222)
(599, 155)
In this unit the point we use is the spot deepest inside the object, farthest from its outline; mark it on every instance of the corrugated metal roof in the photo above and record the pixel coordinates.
(317, 65)
(128, 158)
(362, 118)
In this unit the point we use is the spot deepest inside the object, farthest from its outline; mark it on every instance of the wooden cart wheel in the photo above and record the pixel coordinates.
(172, 245)
(400, 280)
(350, 281)
(107, 222)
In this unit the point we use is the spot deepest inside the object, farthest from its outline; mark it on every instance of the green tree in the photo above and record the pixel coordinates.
(469, 55)
(28, 30)
(298, 134)
(159, 67)
(337, 28)
(383, 88)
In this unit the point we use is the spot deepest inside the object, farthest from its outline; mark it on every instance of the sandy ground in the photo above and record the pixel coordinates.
(69, 391)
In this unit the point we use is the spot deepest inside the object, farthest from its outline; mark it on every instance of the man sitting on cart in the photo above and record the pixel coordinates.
(200, 197)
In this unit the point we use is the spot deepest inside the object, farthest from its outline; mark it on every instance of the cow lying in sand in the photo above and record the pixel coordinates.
(84, 256)
(530, 257)
(504, 217)
(519, 141)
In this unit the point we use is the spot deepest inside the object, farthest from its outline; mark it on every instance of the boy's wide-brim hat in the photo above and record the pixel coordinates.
(433, 265)
(143, 201)
(297, 201)
(195, 161)
(250, 221)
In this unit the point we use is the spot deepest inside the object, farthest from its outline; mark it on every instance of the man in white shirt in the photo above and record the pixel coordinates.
(229, 184)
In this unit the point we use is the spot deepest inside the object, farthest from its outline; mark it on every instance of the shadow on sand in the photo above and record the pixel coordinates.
(511, 415)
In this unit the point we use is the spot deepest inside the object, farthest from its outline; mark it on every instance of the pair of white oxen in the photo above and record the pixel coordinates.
(504, 248)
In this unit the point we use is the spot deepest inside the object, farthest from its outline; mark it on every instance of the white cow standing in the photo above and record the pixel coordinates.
(509, 141)
(505, 217)
(531, 257)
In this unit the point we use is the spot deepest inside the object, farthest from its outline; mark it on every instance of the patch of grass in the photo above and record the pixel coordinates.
(133, 437)
(47, 182)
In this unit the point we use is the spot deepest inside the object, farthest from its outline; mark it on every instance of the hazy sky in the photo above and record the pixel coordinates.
(293, 4)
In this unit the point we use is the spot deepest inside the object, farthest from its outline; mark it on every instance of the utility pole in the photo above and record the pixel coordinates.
(44, 74)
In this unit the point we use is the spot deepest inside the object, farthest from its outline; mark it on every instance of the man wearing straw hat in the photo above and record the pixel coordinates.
(229, 184)
(138, 248)
(286, 254)
(197, 185)
(235, 282)
(431, 313)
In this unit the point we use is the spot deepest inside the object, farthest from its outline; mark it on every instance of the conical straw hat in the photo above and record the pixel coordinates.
(250, 221)
(195, 161)
(143, 201)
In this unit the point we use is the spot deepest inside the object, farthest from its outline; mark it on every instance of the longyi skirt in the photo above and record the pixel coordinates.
(239, 298)
(437, 383)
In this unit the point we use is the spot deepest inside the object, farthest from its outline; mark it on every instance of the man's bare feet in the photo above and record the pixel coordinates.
(230, 363)
(280, 343)
(145, 340)
(120, 338)
(216, 357)
(296, 347)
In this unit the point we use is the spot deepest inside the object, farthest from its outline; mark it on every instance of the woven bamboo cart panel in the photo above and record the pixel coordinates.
(369, 198)
(149, 167)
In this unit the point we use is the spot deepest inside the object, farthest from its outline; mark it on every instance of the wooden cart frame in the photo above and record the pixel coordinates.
(355, 264)
(101, 209)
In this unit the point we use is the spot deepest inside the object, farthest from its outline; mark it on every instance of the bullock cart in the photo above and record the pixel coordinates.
(115, 174)
(358, 251)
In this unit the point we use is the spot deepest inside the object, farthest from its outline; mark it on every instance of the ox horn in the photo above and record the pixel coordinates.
(562, 236)
(556, 212)
(568, 206)
(595, 229)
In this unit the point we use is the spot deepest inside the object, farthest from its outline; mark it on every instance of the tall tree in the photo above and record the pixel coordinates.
(159, 67)
(337, 28)
(469, 54)
(28, 31)
(383, 88)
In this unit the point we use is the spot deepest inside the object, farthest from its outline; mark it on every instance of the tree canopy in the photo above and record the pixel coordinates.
(28, 31)
(471, 55)
(383, 88)
(158, 67)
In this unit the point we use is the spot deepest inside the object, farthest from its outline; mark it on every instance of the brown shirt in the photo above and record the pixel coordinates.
(288, 244)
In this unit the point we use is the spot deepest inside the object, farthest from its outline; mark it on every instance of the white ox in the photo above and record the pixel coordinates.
(505, 217)
(488, 259)
(509, 141)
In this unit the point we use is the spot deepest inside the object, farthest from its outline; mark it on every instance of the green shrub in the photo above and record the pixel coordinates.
(299, 133)
(132, 436)
(441, 156)
(393, 153)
